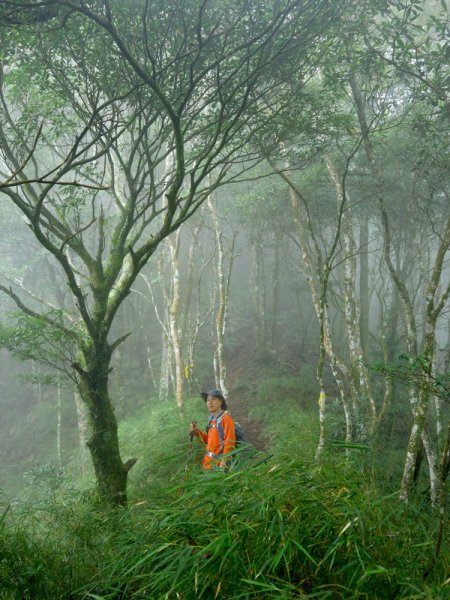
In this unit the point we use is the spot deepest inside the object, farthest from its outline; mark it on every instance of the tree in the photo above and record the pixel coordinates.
(113, 90)
(386, 74)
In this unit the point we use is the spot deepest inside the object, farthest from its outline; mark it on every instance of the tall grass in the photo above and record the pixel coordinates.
(279, 527)
(275, 530)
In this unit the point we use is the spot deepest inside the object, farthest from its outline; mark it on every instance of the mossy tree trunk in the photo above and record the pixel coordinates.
(103, 441)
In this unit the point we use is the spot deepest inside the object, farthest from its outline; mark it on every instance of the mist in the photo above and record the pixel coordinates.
(268, 218)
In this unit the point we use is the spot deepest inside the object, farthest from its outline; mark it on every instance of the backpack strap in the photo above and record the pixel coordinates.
(219, 417)
(218, 426)
(221, 432)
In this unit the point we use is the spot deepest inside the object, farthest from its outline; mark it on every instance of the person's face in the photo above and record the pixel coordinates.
(213, 404)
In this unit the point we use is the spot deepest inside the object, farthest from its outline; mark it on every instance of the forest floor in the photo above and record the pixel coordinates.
(241, 402)
(243, 374)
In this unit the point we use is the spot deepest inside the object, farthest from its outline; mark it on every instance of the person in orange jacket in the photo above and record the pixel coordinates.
(220, 434)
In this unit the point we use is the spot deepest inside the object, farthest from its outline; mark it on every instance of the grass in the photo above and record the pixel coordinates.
(284, 528)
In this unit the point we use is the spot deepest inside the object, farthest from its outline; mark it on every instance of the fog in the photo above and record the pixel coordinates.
(224, 299)
(263, 284)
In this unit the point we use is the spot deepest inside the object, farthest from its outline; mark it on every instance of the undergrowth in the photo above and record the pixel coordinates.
(279, 527)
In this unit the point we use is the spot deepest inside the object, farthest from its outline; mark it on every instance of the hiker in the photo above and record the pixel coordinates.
(220, 436)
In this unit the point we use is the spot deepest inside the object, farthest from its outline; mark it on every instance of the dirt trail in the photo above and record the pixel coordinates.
(241, 375)
(239, 408)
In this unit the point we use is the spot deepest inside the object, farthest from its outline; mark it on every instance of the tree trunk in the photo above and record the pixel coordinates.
(202, 315)
(419, 434)
(58, 425)
(434, 306)
(359, 377)
(149, 362)
(103, 443)
(383, 328)
(83, 428)
(419, 409)
(439, 423)
(173, 321)
(318, 283)
(364, 296)
(258, 291)
(420, 455)
(220, 372)
(190, 278)
(275, 288)
(164, 370)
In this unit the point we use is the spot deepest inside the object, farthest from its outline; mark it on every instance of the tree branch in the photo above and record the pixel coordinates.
(31, 313)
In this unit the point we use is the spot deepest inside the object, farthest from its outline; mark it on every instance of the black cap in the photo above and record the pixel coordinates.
(215, 394)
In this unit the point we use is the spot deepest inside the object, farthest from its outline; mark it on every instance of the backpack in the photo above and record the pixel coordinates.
(238, 431)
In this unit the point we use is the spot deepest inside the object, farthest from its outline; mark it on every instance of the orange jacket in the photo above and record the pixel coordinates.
(214, 449)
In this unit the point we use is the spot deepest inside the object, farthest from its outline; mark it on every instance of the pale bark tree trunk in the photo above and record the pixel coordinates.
(257, 279)
(185, 329)
(319, 303)
(165, 377)
(318, 282)
(434, 306)
(170, 361)
(416, 431)
(150, 363)
(231, 257)
(83, 429)
(364, 296)
(173, 321)
(275, 286)
(190, 276)
(444, 466)
(141, 309)
(439, 422)
(359, 377)
(202, 315)
(219, 355)
(164, 371)
(383, 328)
(433, 309)
(58, 424)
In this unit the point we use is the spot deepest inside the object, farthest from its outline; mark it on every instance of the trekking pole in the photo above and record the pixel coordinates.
(191, 436)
